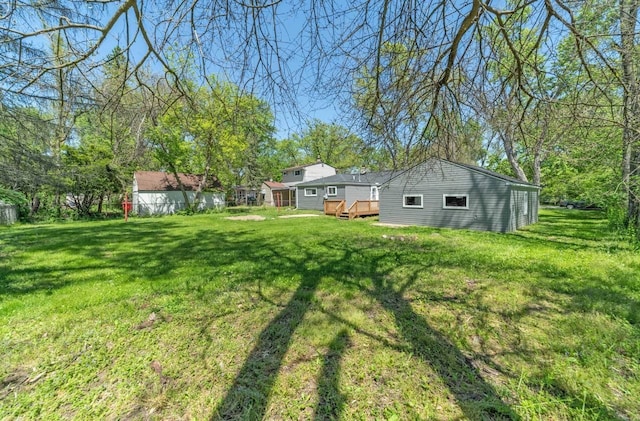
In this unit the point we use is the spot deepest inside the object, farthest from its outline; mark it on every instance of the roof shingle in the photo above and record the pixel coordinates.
(162, 181)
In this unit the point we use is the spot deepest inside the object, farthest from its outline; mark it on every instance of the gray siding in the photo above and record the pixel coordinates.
(489, 198)
(349, 193)
(357, 193)
(317, 202)
(524, 207)
(290, 177)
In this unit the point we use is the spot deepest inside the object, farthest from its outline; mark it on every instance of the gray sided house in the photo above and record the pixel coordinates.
(347, 187)
(440, 193)
(158, 193)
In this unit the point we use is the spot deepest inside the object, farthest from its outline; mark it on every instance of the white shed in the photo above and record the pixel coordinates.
(158, 193)
(8, 213)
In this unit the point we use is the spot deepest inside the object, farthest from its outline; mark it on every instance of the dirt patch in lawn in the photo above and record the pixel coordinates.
(382, 224)
(14, 381)
(246, 218)
(302, 215)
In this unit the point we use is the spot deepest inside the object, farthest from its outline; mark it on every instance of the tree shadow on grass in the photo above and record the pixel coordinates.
(247, 398)
(331, 400)
(476, 398)
(372, 260)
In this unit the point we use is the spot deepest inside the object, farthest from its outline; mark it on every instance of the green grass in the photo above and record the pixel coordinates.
(313, 318)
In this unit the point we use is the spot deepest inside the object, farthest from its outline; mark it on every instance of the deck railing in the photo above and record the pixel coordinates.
(333, 207)
(357, 209)
(364, 208)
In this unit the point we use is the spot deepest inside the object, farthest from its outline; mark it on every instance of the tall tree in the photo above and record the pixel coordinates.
(333, 144)
(630, 62)
(215, 130)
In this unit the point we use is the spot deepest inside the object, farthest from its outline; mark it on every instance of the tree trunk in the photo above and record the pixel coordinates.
(187, 204)
(631, 112)
(511, 157)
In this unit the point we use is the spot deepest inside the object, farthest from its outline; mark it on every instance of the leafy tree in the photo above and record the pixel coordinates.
(26, 165)
(333, 144)
(215, 131)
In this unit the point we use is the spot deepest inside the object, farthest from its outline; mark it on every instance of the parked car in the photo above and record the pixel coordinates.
(577, 204)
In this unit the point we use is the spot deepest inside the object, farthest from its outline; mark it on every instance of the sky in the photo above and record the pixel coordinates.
(219, 59)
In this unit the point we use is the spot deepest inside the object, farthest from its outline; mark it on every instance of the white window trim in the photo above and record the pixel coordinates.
(306, 190)
(335, 193)
(526, 203)
(444, 201)
(297, 172)
(404, 201)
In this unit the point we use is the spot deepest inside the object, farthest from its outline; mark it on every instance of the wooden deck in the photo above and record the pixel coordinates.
(359, 208)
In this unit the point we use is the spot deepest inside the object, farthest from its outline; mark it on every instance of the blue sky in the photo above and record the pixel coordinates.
(309, 104)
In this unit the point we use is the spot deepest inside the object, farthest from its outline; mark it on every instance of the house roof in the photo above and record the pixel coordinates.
(299, 167)
(493, 174)
(472, 168)
(368, 178)
(276, 185)
(162, 181)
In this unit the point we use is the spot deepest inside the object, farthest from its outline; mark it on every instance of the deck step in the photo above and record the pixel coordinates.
(344, 215)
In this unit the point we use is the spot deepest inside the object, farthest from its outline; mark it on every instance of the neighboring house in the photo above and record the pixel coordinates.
(158, 193)
(245, 195)
(8, 213)
(283, 194)
(347, 187)
(277, 194)
(441, 193)
(296, 175)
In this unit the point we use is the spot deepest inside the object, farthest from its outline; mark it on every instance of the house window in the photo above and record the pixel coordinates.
(310, 191)
(284, 173)
(296, 172)
(332, 191)
(412, 201)
(455, 201)
(525, 199)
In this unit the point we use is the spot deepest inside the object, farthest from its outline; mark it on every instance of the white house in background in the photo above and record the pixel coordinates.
(284, 193)
(158, 193)
(300, 174)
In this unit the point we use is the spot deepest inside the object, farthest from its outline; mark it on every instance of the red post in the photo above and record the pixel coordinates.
(126, 206)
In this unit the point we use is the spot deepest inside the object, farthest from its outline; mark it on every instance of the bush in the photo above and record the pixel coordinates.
(16, 198)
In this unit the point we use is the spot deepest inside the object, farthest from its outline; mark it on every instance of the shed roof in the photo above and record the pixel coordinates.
(162, 181)
(368, 178)
(276, 185)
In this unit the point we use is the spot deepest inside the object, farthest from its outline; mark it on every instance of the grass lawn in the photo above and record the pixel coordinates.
(314, 318)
